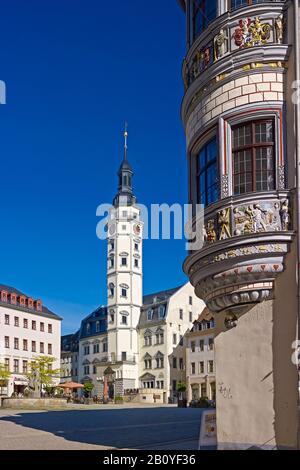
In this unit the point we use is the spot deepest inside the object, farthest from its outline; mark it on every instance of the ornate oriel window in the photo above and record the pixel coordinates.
(253, 157)
(207, 173)
(203, 12)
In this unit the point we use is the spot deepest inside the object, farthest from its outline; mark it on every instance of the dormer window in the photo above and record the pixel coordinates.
(22, 300)
(97, 326)
(161, 311)
(3, 296)
(13, 299)
(38, 305)
(149, 314)
(88, 328)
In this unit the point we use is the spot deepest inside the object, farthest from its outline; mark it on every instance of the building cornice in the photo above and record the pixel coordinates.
(31, 312)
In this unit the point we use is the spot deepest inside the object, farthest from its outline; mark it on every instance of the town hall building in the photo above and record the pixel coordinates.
(134, 342)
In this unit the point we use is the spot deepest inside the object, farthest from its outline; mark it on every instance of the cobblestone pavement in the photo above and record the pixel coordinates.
(101, 427)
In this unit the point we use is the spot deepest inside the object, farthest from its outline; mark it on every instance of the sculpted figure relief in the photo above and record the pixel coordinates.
(285, 215)
(220, 44)
(279, 29)
(211, 235)
(224, 224)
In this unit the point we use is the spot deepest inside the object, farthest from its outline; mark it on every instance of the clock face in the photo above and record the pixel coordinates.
(137, 229)
(112, 229)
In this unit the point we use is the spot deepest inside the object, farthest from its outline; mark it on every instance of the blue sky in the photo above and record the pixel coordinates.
(75, 71)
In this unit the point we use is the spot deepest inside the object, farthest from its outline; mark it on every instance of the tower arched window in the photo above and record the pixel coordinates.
(111, 289)
(112, 316)
(112, 261)
(124, 317)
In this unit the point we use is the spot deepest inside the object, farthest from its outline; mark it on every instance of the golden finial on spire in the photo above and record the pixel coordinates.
(126, 134)
(125, 140)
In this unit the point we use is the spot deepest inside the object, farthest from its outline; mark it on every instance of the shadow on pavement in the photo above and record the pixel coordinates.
(131, 428)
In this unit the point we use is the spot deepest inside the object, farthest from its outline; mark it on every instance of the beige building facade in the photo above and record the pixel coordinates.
(200, 359)
(241, 120)
(166, 318)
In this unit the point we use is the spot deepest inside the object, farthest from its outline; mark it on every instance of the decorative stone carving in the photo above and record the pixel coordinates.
(285, 215)
(256, 218)
(185, 74)
(224, 224)
(230, 321)
(210, 231)
(281, 177)
(257, 250)
(237, 301)
(220, 44)
(224, 186)
(250, 33)
(279, 29)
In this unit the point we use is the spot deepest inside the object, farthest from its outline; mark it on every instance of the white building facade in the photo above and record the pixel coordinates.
(165, 320)
(28, 329)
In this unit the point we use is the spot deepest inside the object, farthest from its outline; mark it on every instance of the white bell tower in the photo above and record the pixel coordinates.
(124, 279)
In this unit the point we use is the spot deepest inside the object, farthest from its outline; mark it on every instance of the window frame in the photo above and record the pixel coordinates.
(196, 7)
(203, 144)
(248, 3)
(252, 147)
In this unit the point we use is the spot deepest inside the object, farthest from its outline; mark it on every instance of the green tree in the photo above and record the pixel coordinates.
(88, 388)
(181, 387)
(41, 372)
(4, 377)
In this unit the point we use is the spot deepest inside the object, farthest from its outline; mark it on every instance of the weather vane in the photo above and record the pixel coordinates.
(126, 134)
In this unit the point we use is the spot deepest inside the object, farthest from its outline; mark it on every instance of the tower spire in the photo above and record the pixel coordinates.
(125, 174)
(125, 141)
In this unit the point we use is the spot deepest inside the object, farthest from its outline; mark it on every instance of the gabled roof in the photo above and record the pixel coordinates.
(160, 296)
(12, 290)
